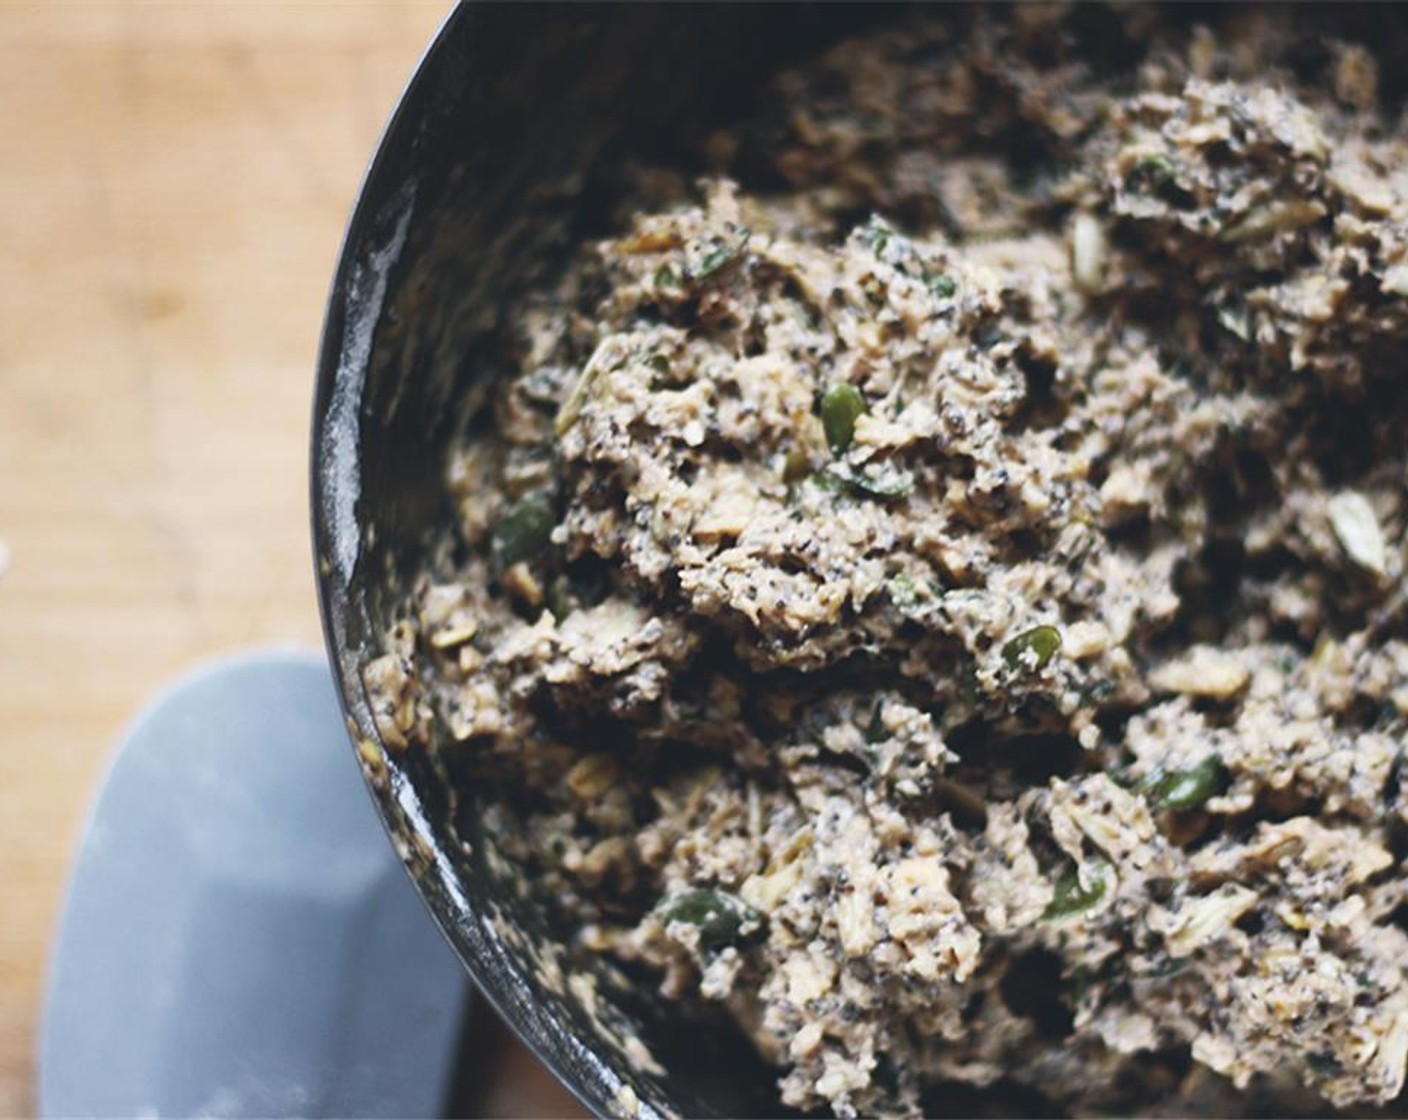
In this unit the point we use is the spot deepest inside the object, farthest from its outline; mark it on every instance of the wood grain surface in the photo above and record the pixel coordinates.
(173, 187)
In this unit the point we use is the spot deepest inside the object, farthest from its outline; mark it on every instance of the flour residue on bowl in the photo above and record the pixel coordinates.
(364, 296)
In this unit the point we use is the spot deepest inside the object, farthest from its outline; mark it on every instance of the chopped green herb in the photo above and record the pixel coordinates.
(841, 478)
(887, 243)
(714, 261)
(1324, 1064)
(942, 286)
(721, 918)
(1074, 896)
(658, 362)
(841, 405)
(903, 593)
(886, 489)
(1182, 790)
(830, 481)
(667, 277)
(1151, 173)
(719, 256)
(525, 530)
(1171, 967)
(875, 235)
(911, 599)
(1042, 642)
(987, 336)
(1096, 691)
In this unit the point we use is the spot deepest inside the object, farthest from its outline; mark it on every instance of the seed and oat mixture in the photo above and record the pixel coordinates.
(942, 602)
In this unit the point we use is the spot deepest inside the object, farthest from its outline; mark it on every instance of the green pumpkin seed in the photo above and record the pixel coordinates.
(1181, 790)
(841, 405)
(1073, 896)
(1041, 642)
(942, 286)
(525, 531)
(721, 918)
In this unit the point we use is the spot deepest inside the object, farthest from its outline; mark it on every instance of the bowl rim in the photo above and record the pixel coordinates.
(547, 1036)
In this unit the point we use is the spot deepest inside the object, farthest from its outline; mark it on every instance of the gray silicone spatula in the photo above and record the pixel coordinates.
(239, 938)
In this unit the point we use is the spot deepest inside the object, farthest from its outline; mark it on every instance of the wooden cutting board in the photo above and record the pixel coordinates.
(173, 187)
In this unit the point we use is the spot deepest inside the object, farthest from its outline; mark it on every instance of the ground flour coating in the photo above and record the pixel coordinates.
(941, 599)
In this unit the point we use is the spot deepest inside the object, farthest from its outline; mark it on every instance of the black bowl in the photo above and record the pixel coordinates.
(499, 154)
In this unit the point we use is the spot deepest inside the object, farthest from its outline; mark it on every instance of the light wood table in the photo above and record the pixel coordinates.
(173, 186)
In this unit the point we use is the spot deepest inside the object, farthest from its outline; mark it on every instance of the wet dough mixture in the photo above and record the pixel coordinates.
(933, 588)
